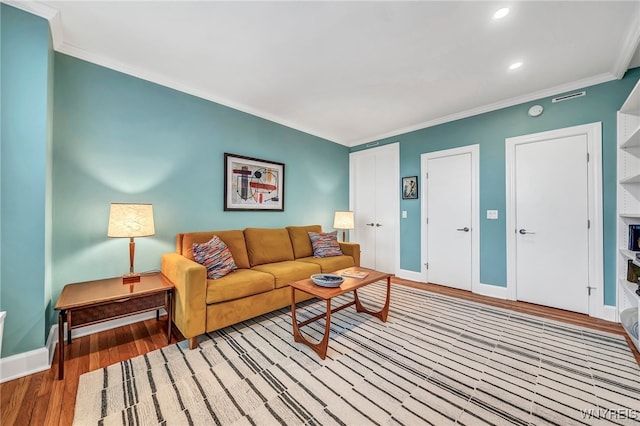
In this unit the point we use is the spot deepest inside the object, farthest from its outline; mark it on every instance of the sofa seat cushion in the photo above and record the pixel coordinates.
(240, 283)
(288, 271)
(330, 264)
(266, 245)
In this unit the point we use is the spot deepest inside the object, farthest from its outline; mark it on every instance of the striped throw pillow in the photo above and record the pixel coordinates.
(325, 244)
(215, 256)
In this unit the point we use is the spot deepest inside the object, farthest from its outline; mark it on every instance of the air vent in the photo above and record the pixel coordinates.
(569, 96)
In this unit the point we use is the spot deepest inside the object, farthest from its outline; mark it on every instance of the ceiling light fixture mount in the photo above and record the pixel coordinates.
(535, 110)
(501, 13)
(515, 65)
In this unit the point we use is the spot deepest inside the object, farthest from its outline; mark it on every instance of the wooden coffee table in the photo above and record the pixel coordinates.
(326, 293)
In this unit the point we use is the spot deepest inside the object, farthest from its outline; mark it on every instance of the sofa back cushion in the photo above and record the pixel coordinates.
(233, 239)
(300, 240)
(266, 245)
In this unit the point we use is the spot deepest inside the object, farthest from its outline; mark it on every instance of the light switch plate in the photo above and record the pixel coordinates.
(404, 214)
(492, 214)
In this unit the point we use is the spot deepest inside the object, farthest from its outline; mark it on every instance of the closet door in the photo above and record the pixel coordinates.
(551, 221)
(363, 204)
(374, 193)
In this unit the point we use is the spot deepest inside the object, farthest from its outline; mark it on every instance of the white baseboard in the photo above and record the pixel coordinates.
(410, 275)
(492, 291)
(482, 289)
(610, 313)
(52, 339)
(25, 363)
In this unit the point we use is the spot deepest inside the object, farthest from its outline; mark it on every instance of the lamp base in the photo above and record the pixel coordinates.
(131, 278)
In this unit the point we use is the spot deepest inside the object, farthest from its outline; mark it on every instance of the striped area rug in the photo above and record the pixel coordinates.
(437, 360)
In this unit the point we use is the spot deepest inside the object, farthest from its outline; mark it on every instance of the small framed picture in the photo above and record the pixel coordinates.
(409, 187)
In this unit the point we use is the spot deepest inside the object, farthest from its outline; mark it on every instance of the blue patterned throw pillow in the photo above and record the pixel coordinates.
(215, 256)
(325, 244)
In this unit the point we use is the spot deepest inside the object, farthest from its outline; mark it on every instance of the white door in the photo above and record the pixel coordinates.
(550, 224)
(374, 199)
(363, 168)
(387, 226)
(449, 217)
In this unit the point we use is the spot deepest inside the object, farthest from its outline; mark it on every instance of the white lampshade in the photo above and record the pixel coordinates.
(131, 220)
(343, 220)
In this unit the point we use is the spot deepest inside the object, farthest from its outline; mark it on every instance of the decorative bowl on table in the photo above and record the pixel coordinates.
(327, 280)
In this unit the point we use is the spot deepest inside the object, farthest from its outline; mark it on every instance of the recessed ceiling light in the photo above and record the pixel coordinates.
(501, 13)
(515, 65)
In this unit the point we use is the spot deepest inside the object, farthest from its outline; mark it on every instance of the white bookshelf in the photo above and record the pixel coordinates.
(627, 254)
(628, 209)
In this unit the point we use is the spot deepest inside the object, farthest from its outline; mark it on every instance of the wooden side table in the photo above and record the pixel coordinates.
(93, 302)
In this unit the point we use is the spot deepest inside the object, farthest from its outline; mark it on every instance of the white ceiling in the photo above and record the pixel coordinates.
(353, 72)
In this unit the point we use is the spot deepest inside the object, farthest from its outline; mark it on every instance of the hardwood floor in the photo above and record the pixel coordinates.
(42, 399)
(530, 308)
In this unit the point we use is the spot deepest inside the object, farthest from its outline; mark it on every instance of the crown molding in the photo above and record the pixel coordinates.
(628, 49)
(33, 7)
(57, 35)
(44, 11)
(182, 86)
(578, 84)
(53, 16)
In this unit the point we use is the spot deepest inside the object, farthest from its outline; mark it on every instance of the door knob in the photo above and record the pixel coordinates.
(465, 229)
(370, 224)
(377, 224)
(524, 231)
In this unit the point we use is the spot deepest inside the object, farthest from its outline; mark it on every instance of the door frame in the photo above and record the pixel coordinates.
(392, 154)
(593, 131)
(474, 150)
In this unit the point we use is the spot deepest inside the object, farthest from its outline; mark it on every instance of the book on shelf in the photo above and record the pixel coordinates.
(634, 237)
(354, 274)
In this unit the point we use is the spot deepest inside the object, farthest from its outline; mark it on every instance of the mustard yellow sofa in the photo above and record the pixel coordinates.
(267, 260)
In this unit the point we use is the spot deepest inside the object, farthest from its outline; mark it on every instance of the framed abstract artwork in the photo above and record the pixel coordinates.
(409, 187)
(253, 184)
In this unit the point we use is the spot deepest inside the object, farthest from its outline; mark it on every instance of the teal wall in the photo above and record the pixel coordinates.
(25, 118)
(490, 130)
(108, 137)
(121, 139)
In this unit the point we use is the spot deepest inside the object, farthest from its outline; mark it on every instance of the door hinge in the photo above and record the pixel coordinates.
(427, 221)
(588, 157)
(426, 175)
(588, 224)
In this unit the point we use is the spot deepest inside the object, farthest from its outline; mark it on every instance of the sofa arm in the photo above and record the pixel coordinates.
(189, 300)
(351, 249)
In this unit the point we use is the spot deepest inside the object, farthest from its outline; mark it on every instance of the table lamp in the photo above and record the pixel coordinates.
(130, 221)
(343, 220)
